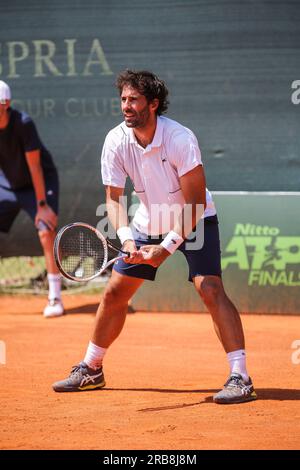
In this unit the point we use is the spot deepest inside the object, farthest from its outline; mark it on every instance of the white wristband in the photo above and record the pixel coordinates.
(124, 233)
(172, 241)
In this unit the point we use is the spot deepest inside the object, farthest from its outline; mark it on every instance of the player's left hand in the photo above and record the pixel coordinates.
(154, 255)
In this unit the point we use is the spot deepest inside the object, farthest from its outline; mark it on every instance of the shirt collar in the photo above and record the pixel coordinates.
(157, 139)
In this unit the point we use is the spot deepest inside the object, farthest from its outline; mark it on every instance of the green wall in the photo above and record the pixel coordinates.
(229, 67)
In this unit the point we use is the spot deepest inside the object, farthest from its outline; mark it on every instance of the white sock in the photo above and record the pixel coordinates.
(54, 281)
(94, 356)
(237, 362)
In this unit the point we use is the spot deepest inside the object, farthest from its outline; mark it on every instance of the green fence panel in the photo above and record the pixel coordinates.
(260, 239)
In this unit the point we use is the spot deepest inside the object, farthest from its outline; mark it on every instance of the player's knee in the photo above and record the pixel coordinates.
(211, 291)
(112, 296)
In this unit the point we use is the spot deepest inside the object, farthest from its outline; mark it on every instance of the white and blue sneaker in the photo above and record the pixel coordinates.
(236, 390)
(54, 308)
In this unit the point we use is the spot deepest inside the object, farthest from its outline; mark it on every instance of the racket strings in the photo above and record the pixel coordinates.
(82, 253)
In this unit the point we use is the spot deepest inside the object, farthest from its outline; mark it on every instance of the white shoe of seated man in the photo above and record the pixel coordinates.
(54, 308)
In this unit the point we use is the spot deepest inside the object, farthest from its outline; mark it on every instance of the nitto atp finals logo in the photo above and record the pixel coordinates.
(270, 258)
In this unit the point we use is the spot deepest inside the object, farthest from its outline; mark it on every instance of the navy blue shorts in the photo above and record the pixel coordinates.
(202, 262)
(12, 201)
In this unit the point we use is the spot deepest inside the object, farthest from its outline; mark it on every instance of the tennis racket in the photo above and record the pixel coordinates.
(81, 252)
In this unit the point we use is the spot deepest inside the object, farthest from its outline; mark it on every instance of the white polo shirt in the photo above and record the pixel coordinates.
(154, 171)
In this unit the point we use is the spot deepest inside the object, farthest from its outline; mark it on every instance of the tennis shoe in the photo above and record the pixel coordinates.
(82, 377)
(236, 390)
(54, 308)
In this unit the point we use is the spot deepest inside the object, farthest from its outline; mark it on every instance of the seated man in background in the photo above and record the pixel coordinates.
(29, 181)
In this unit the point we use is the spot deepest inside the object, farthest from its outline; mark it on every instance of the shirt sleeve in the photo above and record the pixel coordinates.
(187, 153)
(30, 137)
(112, 169)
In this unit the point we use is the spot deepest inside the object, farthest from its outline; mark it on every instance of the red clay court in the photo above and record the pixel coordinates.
(161, 375)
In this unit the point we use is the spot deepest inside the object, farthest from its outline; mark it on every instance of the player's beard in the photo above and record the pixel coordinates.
(137, 119)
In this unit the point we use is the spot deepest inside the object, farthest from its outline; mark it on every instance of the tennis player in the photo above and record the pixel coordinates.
(163, 161)
(29, 181)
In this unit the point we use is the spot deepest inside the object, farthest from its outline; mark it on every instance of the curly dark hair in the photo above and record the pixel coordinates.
(147, 84)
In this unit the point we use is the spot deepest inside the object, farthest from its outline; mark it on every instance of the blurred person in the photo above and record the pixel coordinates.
(29, 181)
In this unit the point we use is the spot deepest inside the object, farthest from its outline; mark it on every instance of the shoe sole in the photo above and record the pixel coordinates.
(224, 401)
(54, 316)
(80, 389)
